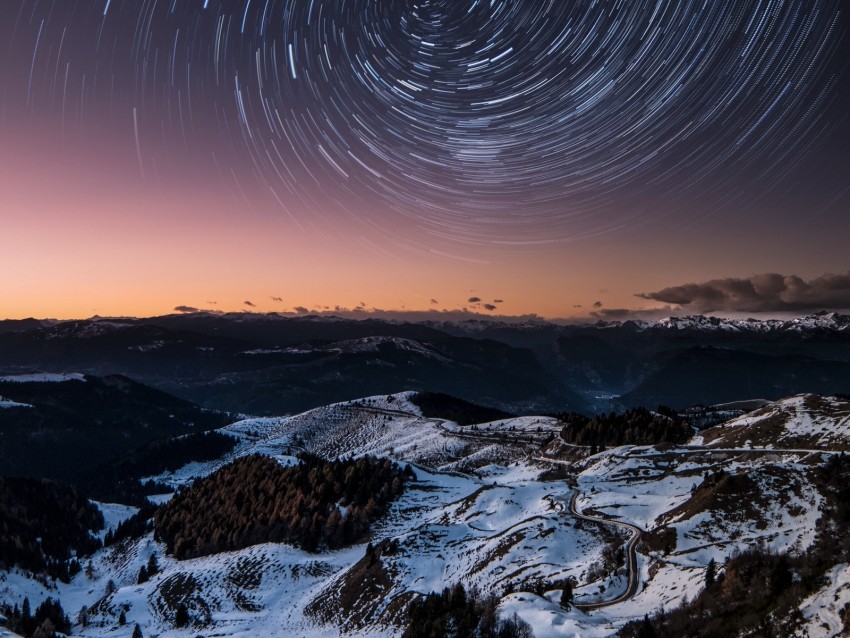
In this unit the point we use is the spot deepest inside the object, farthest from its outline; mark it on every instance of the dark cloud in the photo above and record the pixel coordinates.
(277, 299)
(474, 300)
(770, 292)
(498, 301)
(186, 309)
(597, 304)
(212, 303)
(434, 302)
(248, 303)
(489, 306)
(301, 310)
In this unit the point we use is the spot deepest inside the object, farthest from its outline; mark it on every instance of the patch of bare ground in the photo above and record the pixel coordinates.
(734, 495)
(362, 595)
(181, 590)
(830, 407)
(503, 547)
(661, 539)
(242, 578)
(465, 504)
(758, 497)
(767, 429)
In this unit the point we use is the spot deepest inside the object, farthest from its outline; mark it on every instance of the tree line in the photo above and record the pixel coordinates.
(119, 481)
(48, 619)
(460, 613)
(436, 405)
(42, 522)
(253, 500)
(636, 426)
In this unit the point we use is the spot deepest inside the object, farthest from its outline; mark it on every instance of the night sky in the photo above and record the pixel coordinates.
(568, 158)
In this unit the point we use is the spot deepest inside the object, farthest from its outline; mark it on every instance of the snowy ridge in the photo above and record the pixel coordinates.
(43, 377)
(87, 329)
(806, 421)
(822, 321)
(8, 403)
(364, 344)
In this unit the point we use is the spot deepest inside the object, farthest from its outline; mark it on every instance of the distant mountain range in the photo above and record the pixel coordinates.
(271, 364)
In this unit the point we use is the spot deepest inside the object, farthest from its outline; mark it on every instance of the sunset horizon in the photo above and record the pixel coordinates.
(564, 160)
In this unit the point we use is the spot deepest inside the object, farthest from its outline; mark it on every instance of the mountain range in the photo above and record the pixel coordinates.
(273, 364)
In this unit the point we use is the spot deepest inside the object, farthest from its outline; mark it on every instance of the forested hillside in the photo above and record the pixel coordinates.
(637, 426)
(312, 504)
(42, 522)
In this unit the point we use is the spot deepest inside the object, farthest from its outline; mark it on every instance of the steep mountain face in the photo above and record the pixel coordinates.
(294, 379)
(591, 362)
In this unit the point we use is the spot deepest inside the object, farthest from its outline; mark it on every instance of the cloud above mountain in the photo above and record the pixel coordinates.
(770, 292)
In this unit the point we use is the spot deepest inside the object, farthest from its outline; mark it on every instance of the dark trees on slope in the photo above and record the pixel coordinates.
(56, 514)
(254, 500)
(461, 614)
(637, 426)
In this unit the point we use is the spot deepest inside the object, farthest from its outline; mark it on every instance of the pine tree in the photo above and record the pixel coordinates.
(646, 629)
(137, 632)
(567, 595)
(122, 618)
(143, 575)
(153, 565)
(27, 621)
(83, 616)
(710, 573)
(181, 617)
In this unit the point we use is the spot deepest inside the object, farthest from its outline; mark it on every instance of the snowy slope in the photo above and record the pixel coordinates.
(43, 377)
(8, 403)
(827, 612)
(806, 421)
(497, 525)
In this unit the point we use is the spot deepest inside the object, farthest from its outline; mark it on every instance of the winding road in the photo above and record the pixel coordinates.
(632, 570)
(632, 567)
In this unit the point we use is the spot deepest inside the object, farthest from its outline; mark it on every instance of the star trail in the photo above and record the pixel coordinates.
(478, 122)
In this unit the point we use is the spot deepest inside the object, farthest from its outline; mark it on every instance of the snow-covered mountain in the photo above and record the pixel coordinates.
(491, 507)
(819, 322)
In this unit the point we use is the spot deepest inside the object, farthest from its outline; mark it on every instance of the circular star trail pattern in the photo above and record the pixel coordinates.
(512, 121)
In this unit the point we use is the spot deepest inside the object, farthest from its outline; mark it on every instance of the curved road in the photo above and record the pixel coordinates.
(631, 558)
(632, 570)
